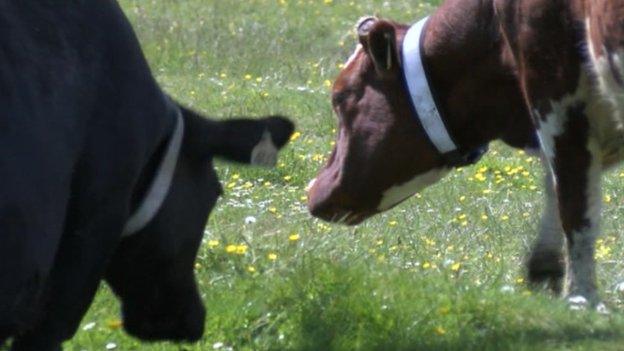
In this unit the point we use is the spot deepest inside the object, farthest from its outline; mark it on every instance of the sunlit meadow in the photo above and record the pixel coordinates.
(441, 272)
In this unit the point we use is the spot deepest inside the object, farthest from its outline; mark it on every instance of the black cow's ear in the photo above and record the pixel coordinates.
(378, 37)
(281, 129)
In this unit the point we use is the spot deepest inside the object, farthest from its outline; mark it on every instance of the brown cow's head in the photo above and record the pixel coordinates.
(382, 155)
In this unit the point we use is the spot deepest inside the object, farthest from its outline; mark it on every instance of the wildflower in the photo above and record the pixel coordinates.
(250, 220)
(241, 249)
(295, 136)
(248, 77)
(455, 267)
(213, 243)
(114, 324)
(230, 248)
(607, 198)
(272, 256)
(440, 331)
(251, 269)
(602, 251)
(293, 237)
(480, 177)
(393, 223)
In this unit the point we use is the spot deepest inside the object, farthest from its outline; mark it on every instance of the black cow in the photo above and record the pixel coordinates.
(102, 176)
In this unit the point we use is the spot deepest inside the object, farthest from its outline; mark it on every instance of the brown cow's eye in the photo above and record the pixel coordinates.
(338, 98)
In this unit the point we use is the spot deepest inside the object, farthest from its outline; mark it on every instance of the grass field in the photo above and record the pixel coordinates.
(441, 272)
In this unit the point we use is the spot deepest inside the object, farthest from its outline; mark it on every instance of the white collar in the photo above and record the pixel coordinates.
(161, 183)
(420, 91)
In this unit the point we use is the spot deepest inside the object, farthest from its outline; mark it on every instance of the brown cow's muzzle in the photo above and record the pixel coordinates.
(329, 203)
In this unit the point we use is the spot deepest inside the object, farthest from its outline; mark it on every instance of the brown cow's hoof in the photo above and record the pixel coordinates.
(546, 269)
(580, 303)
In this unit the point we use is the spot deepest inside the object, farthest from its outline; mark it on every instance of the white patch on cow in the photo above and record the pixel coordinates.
(603, 129)
(265, 152)
(602, 69)
(551, 236)
(549, 128)
(581, 263)
(606, 108)
(552, 124)
(400, 192)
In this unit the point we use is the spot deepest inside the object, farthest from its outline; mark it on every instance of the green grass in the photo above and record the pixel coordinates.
(425, 276)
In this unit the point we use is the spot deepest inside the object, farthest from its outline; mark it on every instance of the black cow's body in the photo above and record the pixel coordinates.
(82, 129)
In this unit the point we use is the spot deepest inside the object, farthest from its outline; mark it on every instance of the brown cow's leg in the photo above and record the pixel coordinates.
(578, 176)
(575, 160)
(546, 37)
(546, 263)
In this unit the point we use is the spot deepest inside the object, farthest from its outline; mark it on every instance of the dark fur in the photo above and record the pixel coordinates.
(83, 127)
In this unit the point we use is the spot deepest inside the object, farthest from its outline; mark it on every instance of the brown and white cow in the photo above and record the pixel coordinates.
(415, 101)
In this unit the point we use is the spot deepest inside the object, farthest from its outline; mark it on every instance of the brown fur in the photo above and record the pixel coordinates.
(500, 69)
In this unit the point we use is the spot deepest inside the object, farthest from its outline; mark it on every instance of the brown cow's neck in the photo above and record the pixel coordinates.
(474, 77)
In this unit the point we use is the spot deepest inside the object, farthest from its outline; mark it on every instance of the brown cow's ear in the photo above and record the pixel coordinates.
(364, 26)
(379, 39)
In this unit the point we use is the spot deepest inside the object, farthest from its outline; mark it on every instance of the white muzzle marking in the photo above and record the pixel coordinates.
(399, 193)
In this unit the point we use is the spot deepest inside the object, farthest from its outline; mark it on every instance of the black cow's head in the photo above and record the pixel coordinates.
(152, 271)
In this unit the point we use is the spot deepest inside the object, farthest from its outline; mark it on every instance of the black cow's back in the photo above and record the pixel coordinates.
(80, 117)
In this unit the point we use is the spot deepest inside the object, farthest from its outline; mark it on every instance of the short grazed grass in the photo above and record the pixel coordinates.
(441, 272)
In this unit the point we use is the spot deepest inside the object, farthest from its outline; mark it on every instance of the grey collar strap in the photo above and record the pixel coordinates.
(161, 183)
(420, 91)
